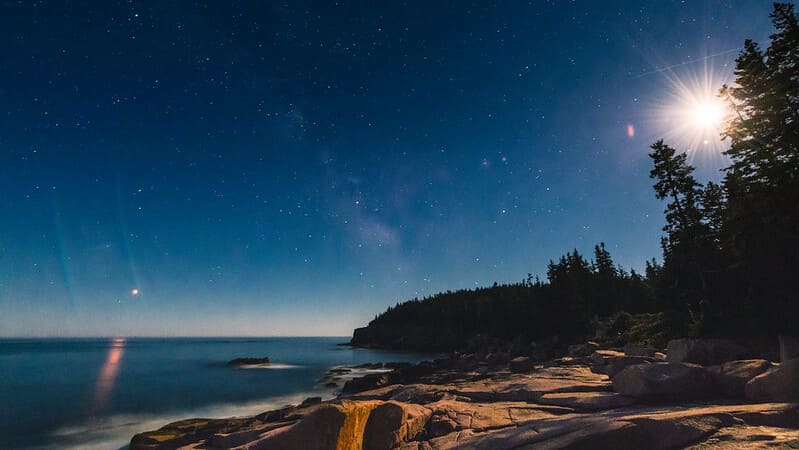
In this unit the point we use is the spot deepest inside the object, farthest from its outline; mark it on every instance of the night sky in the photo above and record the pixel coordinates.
(255, 168)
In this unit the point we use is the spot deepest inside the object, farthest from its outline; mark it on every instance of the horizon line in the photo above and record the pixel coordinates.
(173, 337)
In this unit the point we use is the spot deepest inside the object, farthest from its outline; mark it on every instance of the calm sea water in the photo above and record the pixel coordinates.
(97, 393)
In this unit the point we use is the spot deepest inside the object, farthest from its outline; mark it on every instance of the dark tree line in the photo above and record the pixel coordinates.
(730, 251)
(576, 293)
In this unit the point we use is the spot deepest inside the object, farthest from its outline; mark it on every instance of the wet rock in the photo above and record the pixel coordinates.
(366, 383)
(311, 401)
(370, 366)
(397, 365)
(248, 361)
(184, 432)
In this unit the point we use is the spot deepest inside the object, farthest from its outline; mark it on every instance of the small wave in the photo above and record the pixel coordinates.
(115, 431)
(268, 366)
(342, 374)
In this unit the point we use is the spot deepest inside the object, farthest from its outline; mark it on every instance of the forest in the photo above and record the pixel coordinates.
(730, 258)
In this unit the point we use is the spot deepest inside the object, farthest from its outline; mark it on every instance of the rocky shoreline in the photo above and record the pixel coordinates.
(696, 394)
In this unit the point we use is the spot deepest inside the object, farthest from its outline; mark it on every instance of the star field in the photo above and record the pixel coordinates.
(294, 168)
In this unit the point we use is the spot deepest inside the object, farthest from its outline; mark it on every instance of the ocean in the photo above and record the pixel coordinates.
(97, 393)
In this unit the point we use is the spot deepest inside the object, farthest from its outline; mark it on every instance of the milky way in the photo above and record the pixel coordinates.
(179, 168)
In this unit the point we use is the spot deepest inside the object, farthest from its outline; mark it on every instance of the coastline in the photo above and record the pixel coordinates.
(595, 398)
(107, 390)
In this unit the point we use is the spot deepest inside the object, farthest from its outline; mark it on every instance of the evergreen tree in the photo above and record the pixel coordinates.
(764, 127)
(761, 186)
(676, 183)
(606, 274)
(713, 210)
(686, 247)
(603, 263)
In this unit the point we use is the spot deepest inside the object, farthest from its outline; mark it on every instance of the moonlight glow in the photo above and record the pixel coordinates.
(708, 115)
(693, 115)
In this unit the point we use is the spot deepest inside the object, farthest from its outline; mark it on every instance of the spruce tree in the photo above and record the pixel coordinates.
(603, 263)
(761, 186)
(676, 183)
(686, 247)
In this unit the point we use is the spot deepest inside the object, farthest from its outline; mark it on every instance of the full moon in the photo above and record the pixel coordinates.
(692, 115)
(134, 292)
(708, 115)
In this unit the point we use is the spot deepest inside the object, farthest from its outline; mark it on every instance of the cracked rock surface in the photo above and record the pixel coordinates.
(563, 404)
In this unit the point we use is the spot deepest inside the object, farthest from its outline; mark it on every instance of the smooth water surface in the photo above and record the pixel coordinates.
(97, 393)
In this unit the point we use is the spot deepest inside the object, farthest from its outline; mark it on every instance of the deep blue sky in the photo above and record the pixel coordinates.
(294, 168)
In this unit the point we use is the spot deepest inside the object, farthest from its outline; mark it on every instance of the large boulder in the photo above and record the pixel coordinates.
(613, 366)
(777, 384)
(248, 361)
(732, 376)
(601, 357)
(789, 348)
(639, 350)
(495, 359)
(330, 427)
(521, 364)
(664, 381)
(580, 350)
(185, 432)
(366, 382)
(611, 362)
(705, 352)
(392, 423)
(546, 349)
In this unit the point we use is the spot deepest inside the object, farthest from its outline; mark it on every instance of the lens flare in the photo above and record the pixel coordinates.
(709, 115)
(691, 117)
(696, 116)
